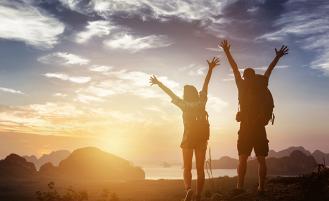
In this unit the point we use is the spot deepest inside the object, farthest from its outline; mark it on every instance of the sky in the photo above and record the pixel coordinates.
(75, 73)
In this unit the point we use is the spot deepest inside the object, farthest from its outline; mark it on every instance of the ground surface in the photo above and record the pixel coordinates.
(307, 188)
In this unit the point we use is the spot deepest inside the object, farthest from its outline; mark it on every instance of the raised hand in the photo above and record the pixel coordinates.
(225, 45)
(154, 80)
(283, 51)
(213, 63)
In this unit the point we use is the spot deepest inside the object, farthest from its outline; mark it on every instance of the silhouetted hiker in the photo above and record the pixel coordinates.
(255, 111)
(196, 128)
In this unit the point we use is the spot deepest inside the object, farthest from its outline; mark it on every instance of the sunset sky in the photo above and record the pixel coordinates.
(75, 73)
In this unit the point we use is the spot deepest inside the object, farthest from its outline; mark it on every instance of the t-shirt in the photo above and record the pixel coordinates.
(191, 110)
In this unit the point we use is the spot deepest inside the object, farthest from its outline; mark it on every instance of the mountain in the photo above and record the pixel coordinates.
(54, 157)
(91, 163)
(16, 167)
(321, 157)
(287, 152)
(225, 162)
(295, 164)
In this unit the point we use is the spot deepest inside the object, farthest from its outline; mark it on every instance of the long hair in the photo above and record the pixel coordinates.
(248, 73)
(190, 93)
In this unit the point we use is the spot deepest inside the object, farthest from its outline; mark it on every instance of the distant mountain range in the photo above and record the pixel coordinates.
(290, 161)
(295, 164)
(54, 157)
(227, 162)
(87, 163)
(318, 155)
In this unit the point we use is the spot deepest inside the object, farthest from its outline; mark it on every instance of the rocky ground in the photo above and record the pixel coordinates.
(312, 187)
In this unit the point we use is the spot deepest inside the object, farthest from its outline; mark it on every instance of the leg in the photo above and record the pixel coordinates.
(200, 156)
(262, 169)
(242, 169)
(261, 150)
(187, 159)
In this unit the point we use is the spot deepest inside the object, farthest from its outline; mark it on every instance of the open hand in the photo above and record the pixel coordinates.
(225, 45)
(283, 51)
(213, 63)
(154, 80)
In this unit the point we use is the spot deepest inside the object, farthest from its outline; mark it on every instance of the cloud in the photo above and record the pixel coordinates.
(98, 68)
(308, 25)
(94, 29)
(134, 44)
(65, 77)
(184, 9)
(8, 90)
(59, 95)
(194, 70)
(122, 82)
(20, 21)
(63, 58)
(217, 49)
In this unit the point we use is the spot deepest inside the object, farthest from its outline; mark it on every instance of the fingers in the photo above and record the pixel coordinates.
(225, 44)
(276, 50)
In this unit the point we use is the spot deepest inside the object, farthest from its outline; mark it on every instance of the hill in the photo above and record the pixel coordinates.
(91, 163)
(287, 152)
(296, 163)
(16, 167)
(54, 157)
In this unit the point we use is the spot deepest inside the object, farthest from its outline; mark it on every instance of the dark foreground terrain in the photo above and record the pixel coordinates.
(313, 187)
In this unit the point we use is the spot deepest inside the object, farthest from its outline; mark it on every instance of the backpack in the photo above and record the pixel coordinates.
(200, 131)
(262, 100)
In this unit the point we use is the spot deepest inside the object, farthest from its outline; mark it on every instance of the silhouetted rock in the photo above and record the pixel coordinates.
(54, 157)
(91, 163)
(225, 162)
(321, 157)
(287, 152)
(16, 167)
(295, 164)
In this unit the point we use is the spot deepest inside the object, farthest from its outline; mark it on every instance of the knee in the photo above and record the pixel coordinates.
(187, 170)
(261, 161)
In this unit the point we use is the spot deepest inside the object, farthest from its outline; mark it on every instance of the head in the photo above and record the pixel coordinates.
(249, 74)
(190, 93)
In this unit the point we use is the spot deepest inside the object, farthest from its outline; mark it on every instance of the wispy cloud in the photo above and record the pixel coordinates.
(194, 70)
(98, 68)
(59, 95)
(65, 77)
(21, 21)
(145, 9)
(122, 82)
(8, 90)
(63, 58)
(134, 43)
(94, 29)
(308, 23)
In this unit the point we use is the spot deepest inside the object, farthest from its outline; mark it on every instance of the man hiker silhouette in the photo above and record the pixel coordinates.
(255, 111)
(196, 129)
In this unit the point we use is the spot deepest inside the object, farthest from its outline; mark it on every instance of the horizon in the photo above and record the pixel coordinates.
(76, 74)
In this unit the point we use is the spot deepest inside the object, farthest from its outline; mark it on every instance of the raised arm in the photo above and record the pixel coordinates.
(226, 47)
(154, 80)
(283, 51)
(211, 65)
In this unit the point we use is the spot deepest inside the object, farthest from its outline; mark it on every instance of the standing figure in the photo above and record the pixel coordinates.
(255, 111)
(196, 129)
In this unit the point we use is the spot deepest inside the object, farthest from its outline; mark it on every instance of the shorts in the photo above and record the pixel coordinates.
(252, 138)
(199, 145)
